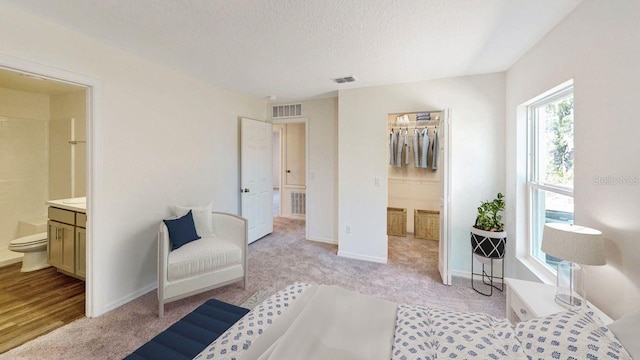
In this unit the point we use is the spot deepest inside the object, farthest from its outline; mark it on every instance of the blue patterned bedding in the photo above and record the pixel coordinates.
(430, 333)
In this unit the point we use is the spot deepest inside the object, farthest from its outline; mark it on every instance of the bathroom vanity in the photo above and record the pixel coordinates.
(67, 237)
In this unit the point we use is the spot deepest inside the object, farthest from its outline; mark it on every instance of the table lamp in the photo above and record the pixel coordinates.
(575, 245)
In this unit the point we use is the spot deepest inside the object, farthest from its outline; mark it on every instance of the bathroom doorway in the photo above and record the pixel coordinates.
(43, 126)
(92, 147)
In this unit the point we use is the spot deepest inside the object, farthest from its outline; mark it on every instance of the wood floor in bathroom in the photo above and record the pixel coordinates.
(35, 303)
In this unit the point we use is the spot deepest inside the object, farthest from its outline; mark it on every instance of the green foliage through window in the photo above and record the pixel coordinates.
(559, 131)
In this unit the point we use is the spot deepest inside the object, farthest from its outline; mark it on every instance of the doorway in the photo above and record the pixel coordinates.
(93, 148)
(43, 127)
(418, 167)
(277, 170)
(290, 168)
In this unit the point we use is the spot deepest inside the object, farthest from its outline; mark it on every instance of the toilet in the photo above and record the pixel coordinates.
(32, 242)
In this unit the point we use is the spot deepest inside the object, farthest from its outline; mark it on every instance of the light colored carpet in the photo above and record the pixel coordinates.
(410, 277)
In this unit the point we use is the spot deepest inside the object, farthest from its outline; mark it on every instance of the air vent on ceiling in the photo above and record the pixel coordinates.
(289, 110)
(345, 79)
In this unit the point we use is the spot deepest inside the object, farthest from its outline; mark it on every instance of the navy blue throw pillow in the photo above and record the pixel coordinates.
(181, 230)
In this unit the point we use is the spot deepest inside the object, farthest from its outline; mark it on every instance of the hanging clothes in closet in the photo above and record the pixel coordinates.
(416, 147)
(434, 160)
(425, 149)
(399, 148)
(406, 146)
(392, 148)
(423, 145)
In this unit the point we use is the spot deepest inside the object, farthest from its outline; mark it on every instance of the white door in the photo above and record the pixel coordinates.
(444, 142)
(256, 180)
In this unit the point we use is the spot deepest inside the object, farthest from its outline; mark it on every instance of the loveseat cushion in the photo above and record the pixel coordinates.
(202, 256)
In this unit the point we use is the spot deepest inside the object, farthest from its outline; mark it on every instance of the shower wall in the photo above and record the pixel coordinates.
(24, 167)
(37, 162)
(67, 162)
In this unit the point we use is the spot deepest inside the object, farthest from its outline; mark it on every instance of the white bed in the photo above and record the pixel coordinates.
(328, 322)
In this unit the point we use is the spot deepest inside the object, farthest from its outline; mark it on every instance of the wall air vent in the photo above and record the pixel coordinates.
(346, 79)
(298, 203)
(290, 110)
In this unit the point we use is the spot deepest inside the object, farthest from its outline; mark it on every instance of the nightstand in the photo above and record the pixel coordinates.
(528, 300)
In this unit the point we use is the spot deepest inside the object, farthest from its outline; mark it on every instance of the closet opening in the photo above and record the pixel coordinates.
(416, 209)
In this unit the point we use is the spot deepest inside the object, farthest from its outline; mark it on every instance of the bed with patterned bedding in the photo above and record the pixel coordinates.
(328, 322)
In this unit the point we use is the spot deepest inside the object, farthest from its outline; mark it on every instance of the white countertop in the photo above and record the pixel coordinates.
(78, 204)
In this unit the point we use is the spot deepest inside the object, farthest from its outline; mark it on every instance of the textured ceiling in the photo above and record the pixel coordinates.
(293, 48)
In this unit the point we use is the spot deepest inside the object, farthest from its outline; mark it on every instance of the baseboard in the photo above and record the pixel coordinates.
(8, 257)
(130, 297)
(362, 257)
(292, 216)
(322, 240)
(460, 273)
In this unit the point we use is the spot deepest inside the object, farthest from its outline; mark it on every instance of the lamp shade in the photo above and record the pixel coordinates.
(575, 243)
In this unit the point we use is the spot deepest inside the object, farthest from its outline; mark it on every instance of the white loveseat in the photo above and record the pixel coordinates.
(203, 264)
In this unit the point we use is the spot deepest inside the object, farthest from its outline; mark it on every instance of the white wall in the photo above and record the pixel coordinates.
(477, 131)
(24, 118)
(163, 133)
(598, 45)
(322, 195)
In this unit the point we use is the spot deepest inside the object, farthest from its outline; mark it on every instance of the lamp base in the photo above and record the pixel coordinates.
(568, 301)
(571, 290)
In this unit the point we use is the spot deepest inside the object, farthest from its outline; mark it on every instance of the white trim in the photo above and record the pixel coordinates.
(351, 255)
(533, 182)
(322, 240)
(551, 188)
(552, 95)
(556, 89)
(94, 155)
(297, 120)
(130, 297)
(540, 271)
(444, 245)
(460, 273)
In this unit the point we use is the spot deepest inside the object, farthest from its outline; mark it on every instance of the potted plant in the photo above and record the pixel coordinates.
(488, 237)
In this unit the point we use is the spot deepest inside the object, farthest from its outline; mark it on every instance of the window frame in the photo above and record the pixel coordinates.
(533, 182)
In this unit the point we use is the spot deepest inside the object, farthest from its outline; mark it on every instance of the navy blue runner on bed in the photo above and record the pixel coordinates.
(188, 337)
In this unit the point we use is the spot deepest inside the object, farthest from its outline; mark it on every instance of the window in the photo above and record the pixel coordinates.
(550, 167)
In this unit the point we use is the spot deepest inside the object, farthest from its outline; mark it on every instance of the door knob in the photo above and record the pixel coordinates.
(245, 190)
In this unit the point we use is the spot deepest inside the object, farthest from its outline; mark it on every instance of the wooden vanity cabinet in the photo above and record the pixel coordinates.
(67, 238)
(61, 249)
